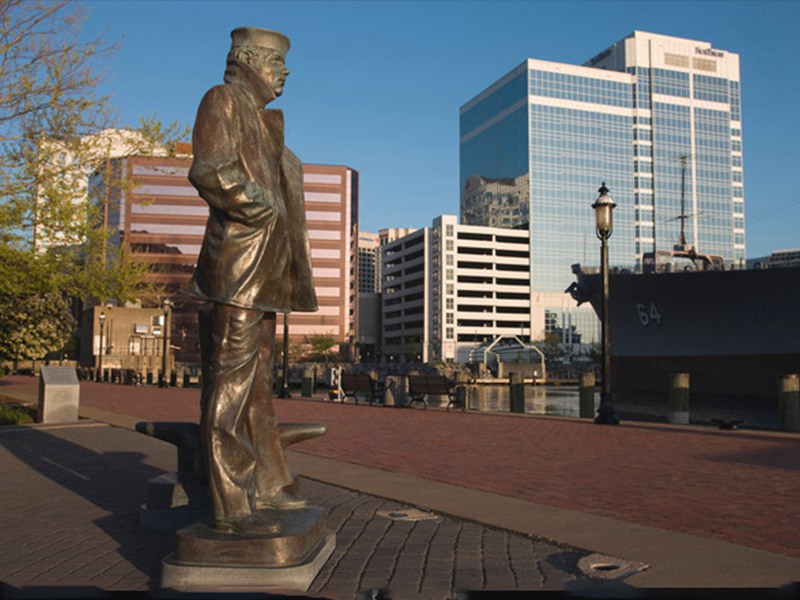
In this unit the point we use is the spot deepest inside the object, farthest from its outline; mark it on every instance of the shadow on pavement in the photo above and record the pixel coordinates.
(114, 481)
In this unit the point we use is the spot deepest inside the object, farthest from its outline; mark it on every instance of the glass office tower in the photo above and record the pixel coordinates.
(657, 118)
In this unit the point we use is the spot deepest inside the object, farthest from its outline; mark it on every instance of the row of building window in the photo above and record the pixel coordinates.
(580, 88)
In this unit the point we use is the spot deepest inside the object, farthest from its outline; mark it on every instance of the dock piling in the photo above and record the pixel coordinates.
(789, 403)
(678, 399)
(586, 398)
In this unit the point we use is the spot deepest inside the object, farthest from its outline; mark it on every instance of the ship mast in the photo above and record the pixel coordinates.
(682, 240)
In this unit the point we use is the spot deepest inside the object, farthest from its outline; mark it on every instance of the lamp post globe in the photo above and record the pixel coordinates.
(603, 210)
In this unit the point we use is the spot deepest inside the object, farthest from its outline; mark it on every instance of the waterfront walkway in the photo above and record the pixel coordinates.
(701, 507)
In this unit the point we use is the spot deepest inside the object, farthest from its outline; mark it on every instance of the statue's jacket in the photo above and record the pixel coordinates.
(255, 252)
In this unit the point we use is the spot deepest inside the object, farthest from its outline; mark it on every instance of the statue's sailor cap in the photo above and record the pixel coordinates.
(252, 37)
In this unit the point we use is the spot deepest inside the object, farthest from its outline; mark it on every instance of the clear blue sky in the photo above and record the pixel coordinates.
(377, 85)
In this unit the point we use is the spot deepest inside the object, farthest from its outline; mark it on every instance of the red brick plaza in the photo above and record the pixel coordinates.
(740, 486)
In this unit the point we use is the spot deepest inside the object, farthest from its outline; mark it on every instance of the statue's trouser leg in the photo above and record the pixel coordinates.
(238, 426)
(271, 473)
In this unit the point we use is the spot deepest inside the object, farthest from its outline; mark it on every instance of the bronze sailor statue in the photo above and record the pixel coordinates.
(254, 263)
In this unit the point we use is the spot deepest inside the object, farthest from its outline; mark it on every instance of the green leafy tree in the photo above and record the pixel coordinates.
(595, 353)
(553, 348)
(320, 347)
(35, 326)
(297, 351)
(56, 136)
(35, 317)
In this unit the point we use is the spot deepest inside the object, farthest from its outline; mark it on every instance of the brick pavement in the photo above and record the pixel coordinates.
(428, 558)
(739, 486)
(70, 527)
(70, 508)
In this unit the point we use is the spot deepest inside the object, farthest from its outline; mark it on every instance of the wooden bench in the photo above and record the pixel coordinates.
(420, 386)
(355, 383)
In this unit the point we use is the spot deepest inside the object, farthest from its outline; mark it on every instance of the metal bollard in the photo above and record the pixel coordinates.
(586, 395)
(516, 401)
(374, 375)
(678, 398)
(401, 394)
(308, 382)
(789, 403)
(462, 391)
(334, 383)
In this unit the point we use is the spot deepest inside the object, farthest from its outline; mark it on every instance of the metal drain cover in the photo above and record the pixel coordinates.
(601, 566)
(408, 514)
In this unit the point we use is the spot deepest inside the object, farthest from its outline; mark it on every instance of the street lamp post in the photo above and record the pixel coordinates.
(285, 391)
(603, 208)
(165, 306)
(102, 319)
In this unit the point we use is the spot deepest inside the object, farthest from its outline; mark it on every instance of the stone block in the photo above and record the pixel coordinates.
(59, 395)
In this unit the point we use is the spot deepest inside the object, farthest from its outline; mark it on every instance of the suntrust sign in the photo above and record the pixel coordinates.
(709, 52)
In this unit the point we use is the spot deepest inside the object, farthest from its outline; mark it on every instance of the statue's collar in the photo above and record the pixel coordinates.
(238, 72)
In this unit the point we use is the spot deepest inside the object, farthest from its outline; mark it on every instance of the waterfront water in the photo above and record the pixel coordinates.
(563, 400)
(559, 401)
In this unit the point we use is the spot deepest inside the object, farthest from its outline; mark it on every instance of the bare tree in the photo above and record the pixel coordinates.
(47, 105)
(46, 70)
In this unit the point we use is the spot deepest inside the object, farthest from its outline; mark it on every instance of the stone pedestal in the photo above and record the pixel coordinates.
(292, 580)
(284, 560)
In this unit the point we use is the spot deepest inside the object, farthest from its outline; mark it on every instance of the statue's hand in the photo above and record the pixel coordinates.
(259, 205)
(231, 189)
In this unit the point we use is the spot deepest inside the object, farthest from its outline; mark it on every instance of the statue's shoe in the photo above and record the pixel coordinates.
(256, 523)
(281, 501)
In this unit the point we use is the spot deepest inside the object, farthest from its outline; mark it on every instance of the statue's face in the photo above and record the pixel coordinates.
(271, 67)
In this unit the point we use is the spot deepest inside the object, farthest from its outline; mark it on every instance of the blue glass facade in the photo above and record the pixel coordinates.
(567, 149)
(572, 152)
(695, 180)
(495, 130)
(657, 118)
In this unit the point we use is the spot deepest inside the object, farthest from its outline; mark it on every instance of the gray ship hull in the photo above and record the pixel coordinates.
(735, 332)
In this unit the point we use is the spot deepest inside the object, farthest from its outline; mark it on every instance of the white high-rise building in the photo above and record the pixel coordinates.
(449, 288)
